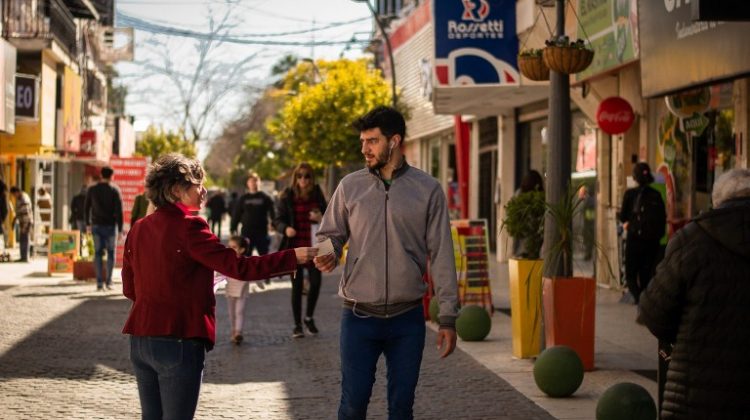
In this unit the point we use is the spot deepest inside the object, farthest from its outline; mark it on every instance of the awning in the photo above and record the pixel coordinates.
(486, 100)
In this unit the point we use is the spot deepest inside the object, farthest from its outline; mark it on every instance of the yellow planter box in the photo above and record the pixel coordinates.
(526, 306)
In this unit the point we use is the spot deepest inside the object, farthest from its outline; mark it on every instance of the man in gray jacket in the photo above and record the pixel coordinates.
(395, 219)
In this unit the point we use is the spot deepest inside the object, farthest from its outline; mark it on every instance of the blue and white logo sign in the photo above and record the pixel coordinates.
(475, 42)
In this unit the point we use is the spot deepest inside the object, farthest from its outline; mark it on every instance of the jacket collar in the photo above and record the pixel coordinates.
(402, 168)
(175, 208)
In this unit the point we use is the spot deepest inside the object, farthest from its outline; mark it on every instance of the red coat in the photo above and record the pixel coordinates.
(167, 272)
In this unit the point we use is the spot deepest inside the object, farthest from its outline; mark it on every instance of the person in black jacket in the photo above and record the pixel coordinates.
(254, 211)
(299, 209)
(217, 207)
(644, 218)
(3, 215)
(103, 216)
(699, 300)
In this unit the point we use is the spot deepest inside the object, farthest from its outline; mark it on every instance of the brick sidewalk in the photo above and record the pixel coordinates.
(62, 356)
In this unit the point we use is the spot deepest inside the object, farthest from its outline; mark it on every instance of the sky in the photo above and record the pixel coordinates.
(151, 97)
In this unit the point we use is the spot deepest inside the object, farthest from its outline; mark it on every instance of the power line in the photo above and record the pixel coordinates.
(121, 15)
(143, 25)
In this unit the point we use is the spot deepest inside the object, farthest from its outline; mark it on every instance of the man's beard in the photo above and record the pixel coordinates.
(380, 161)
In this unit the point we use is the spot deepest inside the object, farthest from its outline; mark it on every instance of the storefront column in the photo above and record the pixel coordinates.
(463, 136)
(742, 121)
(506, 180)
(474, 172)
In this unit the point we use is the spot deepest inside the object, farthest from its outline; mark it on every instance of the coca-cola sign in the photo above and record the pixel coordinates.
(614, 115)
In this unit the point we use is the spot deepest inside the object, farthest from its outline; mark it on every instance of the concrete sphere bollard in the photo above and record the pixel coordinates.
(473, 323)
(626, 401)
(558, 371)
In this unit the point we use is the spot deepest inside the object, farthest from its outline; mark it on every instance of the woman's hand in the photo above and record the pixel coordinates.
(290, 232)
(305, 254)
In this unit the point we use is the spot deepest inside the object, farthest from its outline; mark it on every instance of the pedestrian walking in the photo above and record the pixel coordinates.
(644, 219)
(77, 218)
(253, 211)
(394, 218)
(300, 206)
(103, 215)
(4, 210)
(236, 292)
(699, 300)
(25, 218)
(216, 207)
(170, 257)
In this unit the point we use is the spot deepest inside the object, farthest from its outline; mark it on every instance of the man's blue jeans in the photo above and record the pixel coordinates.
(401, 339)
(169, 372)
(104, 239)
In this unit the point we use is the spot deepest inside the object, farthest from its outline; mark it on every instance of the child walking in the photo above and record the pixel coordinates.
(236, 292)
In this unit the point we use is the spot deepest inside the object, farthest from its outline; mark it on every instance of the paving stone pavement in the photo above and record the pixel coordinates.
(62, 356)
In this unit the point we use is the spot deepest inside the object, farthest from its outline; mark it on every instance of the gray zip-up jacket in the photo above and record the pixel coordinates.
(392, 230)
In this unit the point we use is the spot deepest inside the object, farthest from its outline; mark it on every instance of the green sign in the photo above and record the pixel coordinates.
(696, 124)
(612, 28)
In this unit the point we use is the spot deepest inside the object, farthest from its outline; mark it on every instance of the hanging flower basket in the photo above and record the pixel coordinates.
(565, 57)
(533, 67)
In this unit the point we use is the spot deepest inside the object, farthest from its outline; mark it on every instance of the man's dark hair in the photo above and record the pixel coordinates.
(107, 172)
(387, 119)
(14, 189)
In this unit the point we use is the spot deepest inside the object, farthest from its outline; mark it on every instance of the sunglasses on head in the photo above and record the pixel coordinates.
(304, 175)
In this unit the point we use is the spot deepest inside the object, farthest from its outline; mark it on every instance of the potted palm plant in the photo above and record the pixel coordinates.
(524, 221)
(569, 302)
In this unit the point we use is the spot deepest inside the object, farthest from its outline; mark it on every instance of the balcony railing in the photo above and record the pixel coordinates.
(40, 19)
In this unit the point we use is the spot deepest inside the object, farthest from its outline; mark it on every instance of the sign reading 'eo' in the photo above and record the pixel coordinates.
(27, 88)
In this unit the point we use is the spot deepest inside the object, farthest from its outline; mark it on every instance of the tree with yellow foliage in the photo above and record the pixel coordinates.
(323, 99)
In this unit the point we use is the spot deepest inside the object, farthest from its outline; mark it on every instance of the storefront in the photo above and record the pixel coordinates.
(695, 76)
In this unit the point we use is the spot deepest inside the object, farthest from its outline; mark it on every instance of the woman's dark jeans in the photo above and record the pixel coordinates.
(168, 371)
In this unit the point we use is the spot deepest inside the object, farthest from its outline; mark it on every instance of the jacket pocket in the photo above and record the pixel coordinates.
(347, 274)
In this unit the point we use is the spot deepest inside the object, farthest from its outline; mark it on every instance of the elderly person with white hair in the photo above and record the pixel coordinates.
(699, 300)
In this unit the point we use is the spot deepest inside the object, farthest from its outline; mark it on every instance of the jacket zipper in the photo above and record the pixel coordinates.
(385, 213)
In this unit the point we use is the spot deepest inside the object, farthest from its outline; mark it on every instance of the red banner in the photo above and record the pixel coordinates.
(130, 176)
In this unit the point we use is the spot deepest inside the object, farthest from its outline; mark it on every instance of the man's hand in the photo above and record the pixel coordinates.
(446, 341)
(290, 232)
(325, 263)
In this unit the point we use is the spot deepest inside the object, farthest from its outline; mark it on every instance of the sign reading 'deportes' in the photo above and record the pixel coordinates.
(475, 42)
(678, 53)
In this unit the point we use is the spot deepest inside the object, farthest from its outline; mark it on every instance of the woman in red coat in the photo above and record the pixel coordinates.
(168, 266)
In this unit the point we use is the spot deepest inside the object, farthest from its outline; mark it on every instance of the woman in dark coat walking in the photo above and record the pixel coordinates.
(300, 207)
(699, 300)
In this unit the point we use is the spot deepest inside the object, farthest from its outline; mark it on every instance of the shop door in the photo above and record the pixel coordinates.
(487, 188)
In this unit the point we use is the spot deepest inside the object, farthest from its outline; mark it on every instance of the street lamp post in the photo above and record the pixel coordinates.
(558, 149)
(388, 45)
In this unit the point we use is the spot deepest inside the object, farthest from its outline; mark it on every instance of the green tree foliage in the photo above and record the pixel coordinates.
(323, 99)
(156, 142)
(258, 154)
